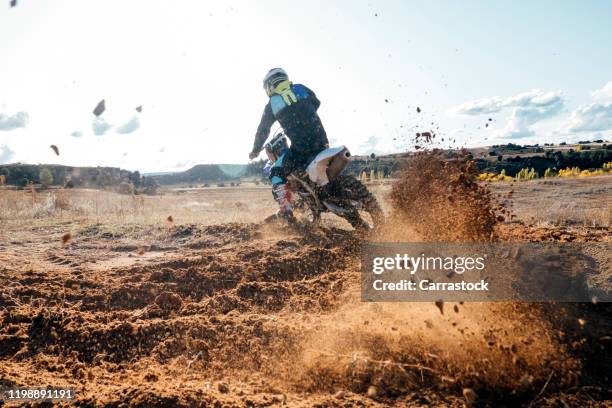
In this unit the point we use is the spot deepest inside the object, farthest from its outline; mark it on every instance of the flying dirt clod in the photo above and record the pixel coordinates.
(100, 108)
(440, 305)
(66, 237)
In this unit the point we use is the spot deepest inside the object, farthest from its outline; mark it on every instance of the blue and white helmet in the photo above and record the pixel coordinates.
(274, 77)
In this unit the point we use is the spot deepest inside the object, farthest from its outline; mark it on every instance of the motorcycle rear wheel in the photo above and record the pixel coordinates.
(346, 190)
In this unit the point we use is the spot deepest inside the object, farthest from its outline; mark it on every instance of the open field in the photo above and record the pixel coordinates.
(214, 308)
(575, 201)
(558, 201)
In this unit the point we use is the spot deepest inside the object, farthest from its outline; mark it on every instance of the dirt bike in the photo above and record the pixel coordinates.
(321, 187)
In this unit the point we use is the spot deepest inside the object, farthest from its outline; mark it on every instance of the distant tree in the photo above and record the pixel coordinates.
(46, 177)
(126, 187)
(135, 178)
(150, 185)
(526, 174)
(256, 168)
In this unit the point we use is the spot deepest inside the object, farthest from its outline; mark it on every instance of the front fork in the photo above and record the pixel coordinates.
(308, 198)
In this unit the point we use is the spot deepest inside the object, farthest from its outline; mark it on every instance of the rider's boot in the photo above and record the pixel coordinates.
(282, 195)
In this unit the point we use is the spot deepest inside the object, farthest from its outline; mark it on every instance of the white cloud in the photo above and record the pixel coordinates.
(534, 98)
(6, 154)
(528, 108)
(130, 126)
(530, 112)
(603, 93)
(518, 125)
(14, 121)
(76, 133)
(479, 107)
(592, 117)
(100, 126)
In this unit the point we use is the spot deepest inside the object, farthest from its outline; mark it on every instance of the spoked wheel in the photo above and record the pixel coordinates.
(364, 212)
(306, 214)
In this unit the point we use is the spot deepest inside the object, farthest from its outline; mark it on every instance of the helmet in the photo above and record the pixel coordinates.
(274, 77)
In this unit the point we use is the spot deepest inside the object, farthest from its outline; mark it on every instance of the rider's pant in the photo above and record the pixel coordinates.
(288, 162)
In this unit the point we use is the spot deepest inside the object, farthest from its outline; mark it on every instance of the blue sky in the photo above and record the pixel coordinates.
(541, 70)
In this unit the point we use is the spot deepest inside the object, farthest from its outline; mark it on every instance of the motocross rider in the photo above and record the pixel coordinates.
(294, 106)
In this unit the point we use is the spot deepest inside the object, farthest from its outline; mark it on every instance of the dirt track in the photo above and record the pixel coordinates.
(241, 314)
(132, 311)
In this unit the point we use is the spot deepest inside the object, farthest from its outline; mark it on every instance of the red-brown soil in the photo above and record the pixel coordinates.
(244, 314)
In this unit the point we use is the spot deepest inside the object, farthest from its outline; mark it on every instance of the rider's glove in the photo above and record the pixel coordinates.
(253, 155)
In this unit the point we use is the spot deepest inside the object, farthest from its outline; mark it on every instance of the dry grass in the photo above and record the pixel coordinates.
(574, 201)
(203, 206)
(561, 201)
(25, 210)
(568, 214)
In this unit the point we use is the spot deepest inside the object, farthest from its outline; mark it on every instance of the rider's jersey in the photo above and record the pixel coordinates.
(296, 111)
